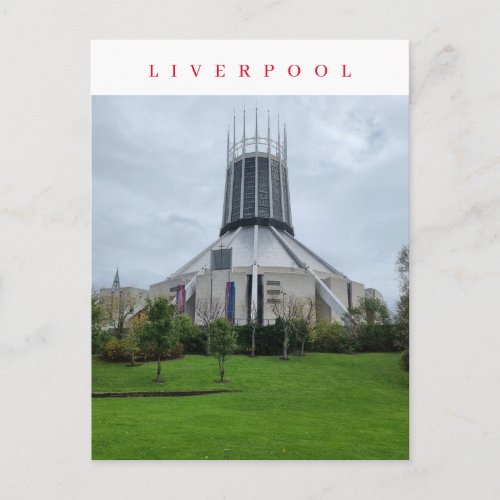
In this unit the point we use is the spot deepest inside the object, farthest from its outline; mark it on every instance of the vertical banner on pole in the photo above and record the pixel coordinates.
(181, 296)
(230, 294)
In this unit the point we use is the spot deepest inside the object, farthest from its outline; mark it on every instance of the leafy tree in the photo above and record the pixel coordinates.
(188, 332)
(363, 324)
(130, 344)
(208, 310)
(370, 311)
(224, 342)
(159, 328)
(402, 319)
(97, 320)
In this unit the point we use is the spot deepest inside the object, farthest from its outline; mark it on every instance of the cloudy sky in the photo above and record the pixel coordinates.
(158, 166)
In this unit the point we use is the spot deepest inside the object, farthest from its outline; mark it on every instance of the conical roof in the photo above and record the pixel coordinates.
(274, 248)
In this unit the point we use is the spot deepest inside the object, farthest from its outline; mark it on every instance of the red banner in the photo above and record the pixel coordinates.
(181, 298)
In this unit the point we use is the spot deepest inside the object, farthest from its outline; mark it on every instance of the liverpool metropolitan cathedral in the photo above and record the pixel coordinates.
(257, 259)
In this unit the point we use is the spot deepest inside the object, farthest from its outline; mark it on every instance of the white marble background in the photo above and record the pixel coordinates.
(45, 248)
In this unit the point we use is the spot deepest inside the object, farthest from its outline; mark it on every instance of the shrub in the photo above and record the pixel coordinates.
(327, 336)
(99, 340)
(332, 337)
(375, 338)
(113, 350)
(190, 335)
(147, 352)
(175, 352)
(120, 350)
(268, 340)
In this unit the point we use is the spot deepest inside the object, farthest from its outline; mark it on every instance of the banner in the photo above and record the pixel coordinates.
(181, 298)
(230, 295)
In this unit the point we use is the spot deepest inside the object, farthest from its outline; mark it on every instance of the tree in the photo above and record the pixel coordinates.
(370, 311)
(97, 320)
(402, 319)
(130, 344)
(304, 322)
(366, 324)
(118, 306)
(208, 310)
(224, 342)
(159, 328)
(288, 312)
(252, 313)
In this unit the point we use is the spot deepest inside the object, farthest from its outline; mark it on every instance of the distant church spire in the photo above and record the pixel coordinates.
(116, 281)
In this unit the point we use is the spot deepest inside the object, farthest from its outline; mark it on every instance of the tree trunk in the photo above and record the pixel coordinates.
(285, 347)
(220, 360)
(158, 370)
(132, 360)
(302, 347)
(119, 328)
(208, 341)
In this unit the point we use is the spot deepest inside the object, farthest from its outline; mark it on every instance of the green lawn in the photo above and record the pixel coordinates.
(321, 406)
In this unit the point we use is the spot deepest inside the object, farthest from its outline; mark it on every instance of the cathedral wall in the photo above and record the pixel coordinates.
(296, 284)
(213, 284)
(358, 293)
(168, 288)
(323, 311)
(240, 302)
(373, 292)
(338, 285)
(190, 306)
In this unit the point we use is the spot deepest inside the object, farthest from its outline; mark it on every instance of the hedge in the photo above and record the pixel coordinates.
(326, 337)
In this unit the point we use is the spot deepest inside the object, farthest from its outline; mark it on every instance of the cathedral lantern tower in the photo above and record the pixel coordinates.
(256, 191)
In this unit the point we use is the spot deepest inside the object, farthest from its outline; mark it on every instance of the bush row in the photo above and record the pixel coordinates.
(115, 349)
(326, 337)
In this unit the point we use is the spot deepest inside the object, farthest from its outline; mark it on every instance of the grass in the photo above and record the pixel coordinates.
(320, 406)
